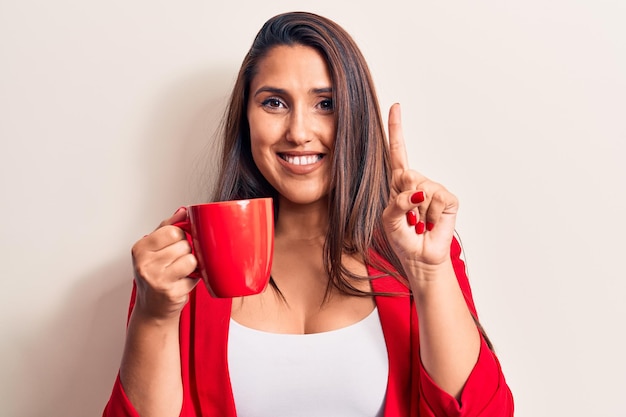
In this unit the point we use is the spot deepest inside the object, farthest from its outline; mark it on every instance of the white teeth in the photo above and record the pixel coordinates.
(302, 160)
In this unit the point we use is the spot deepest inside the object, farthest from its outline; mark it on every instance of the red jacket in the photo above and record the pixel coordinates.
(410, 391)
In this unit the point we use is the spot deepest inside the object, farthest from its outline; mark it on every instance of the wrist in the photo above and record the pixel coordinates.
(427, 272)
(145, 317)
(427, 278)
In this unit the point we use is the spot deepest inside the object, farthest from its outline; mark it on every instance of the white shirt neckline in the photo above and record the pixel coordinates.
(341, 372)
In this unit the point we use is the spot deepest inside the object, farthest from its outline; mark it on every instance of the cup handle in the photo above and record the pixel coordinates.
(185, 225)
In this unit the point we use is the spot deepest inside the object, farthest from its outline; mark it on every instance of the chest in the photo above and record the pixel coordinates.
(300, 302)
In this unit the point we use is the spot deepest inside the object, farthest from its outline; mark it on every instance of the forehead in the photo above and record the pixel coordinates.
(296, 66)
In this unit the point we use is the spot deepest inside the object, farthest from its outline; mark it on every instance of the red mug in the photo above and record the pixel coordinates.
(234, 244)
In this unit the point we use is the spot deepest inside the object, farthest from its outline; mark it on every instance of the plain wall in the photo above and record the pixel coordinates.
(107, 115)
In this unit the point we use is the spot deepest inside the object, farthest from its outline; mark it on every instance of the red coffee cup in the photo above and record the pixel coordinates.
(234, 244)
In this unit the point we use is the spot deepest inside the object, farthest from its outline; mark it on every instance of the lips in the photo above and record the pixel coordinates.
(301, 159)
(301, 163)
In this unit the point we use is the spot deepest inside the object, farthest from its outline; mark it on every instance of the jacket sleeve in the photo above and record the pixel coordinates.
(119, 405)
(485, 393)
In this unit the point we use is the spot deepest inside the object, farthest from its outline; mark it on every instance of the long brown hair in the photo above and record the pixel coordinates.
(360, 174)
(361, 167)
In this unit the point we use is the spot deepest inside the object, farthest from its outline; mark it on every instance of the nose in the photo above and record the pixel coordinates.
(300, 129)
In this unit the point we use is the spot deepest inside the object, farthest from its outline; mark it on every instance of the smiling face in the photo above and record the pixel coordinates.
(292, 122)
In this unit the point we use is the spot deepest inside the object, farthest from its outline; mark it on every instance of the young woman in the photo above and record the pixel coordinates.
(369, 312)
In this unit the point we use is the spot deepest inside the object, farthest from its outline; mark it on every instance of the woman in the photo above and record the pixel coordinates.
(369, 312)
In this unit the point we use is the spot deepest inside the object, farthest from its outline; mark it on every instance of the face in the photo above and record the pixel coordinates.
(292, 122)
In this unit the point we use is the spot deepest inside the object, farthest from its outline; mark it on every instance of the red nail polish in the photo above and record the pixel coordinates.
(430, 226)
(179, 210)
(419, 228)
(417, 197)
(411, 218)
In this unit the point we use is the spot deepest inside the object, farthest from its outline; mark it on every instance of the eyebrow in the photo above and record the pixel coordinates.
(281, 91)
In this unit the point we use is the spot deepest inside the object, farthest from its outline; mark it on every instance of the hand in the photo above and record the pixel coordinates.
(162, 262)
(420, 218)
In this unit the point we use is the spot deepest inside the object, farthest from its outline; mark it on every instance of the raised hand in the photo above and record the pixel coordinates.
(419, 222)
(421, 215)
(162, 262)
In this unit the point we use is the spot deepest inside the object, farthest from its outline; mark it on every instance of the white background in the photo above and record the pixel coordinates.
(107, 111)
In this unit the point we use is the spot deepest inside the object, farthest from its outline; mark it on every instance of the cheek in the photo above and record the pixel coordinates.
(259, 144)
(330, 134)
(257, 137)
(257, 151)
(261, 151)
(263, 131)
(265, 135)
(330, 129)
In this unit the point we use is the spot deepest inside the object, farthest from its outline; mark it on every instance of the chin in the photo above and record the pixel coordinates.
(304, 199)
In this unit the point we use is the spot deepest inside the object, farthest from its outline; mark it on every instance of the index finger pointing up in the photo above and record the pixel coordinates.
(397, 149)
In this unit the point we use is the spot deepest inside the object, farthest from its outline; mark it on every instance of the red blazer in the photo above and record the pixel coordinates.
(410, 391)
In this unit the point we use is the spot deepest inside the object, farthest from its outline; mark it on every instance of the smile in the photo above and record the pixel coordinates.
(301, 159)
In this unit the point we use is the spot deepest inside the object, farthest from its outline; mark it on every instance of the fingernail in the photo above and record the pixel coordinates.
(411, 218)
(179, 210)
(417, 197)
(430, 226)
(419, 228)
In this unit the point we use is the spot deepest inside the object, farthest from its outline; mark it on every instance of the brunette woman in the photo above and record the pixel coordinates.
(369, 312)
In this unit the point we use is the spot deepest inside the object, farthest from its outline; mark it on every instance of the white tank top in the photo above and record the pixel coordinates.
(337, 373)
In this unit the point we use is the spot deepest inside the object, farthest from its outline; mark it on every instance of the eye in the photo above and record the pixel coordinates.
(327, 104)
(272, 102)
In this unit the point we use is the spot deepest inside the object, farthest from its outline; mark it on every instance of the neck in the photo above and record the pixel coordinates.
(302, 222)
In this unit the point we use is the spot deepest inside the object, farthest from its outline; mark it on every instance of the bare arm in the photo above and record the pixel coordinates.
(150, 370)
(449, 339)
